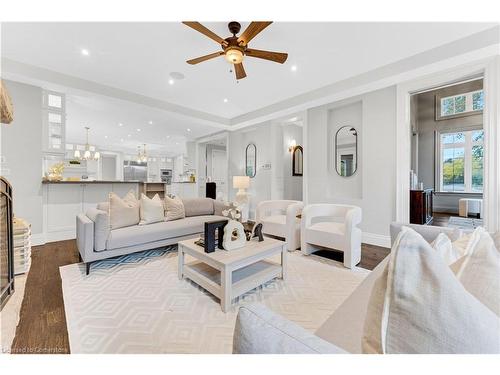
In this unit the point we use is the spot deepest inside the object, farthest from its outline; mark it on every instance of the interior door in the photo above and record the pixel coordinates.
(108, 167)
(219, 171)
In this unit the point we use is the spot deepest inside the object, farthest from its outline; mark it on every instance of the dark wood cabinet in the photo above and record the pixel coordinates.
(421, 206)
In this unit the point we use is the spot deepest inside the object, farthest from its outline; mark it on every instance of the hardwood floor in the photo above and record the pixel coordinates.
(42, 326)
(441, 219)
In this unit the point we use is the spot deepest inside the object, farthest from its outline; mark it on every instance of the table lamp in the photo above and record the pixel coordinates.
(241, 183)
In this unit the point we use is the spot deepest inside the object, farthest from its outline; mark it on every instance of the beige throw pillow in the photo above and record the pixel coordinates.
(419, 306)
(479, 270)
(443, 246)
(151, 210)
(174, 209)
(123, 212)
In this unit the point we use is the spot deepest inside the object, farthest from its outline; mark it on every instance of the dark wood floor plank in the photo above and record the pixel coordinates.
(42, 327)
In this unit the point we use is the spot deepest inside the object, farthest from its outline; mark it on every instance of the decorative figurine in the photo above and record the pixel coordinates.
(257, 232)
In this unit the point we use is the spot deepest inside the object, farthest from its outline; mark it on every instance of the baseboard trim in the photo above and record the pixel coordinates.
(37, 239)
(376, 239)
(61, 235)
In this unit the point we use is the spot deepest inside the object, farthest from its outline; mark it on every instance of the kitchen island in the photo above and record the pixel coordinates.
(63, 200)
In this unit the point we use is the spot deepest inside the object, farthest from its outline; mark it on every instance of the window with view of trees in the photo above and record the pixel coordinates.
(461, 104)
(461, 165)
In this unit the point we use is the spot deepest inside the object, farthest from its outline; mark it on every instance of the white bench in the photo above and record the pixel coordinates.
(467, 206)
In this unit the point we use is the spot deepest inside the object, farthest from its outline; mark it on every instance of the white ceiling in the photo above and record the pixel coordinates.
(138, 57)
(166, 135)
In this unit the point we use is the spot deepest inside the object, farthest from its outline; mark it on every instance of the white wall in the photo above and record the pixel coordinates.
(292, 185)
(373, 186)
(263, 185)
(22, 153)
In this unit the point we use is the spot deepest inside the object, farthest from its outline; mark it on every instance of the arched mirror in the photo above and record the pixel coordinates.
(297, 161)
(251, 160)
(346, 151)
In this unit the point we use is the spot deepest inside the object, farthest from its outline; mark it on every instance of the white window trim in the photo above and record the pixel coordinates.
(467, 145)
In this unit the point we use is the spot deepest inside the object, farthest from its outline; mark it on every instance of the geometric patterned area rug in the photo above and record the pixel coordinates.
(137, 304)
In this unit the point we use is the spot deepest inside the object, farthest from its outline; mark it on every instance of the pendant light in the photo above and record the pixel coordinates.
(87, 155)
(142, 156)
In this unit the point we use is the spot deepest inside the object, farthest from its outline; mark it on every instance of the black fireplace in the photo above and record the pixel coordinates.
(6, 242)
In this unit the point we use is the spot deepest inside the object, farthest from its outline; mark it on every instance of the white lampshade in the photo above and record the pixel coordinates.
(241, 182)
(86, 155)
(77, 154)
(97, 155)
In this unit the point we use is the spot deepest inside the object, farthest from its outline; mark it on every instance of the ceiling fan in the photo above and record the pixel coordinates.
(234, 48)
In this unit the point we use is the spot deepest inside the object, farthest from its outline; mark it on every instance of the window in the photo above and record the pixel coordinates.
(461, 162)
(458, 105)
(54, 121)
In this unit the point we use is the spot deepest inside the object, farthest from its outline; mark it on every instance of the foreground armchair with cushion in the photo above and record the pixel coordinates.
(279, 218)
(332, 226)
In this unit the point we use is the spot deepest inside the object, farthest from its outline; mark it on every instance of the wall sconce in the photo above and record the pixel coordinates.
(292, 145)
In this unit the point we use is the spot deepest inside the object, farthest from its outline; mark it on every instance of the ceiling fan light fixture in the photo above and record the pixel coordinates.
(234, 55)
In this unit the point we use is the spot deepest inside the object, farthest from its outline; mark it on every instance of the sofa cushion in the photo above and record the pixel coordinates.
(123, 212)
(198, 206)
(174, 209)
(141, 234)
(258, 330)
(327, 233)
(275, 225)
(419, 306)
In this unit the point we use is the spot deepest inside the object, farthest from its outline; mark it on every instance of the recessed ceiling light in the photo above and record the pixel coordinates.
(225, 100)
(176, 75)
(168, 136)
(150, 122)
(188, 129)
(293, 68)
(138, 130)
(120, 124)
(121, 140)
(171, 81)
(85, 52)
(106, 137)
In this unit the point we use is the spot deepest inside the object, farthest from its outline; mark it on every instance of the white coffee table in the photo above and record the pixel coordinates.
(229, 274)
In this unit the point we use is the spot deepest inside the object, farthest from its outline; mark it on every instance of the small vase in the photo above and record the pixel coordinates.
(233, 228)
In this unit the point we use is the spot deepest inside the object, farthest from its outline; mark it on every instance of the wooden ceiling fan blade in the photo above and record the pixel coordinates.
(202, 29)
(204, 58)
(240, 71)
(252, 30)
(278, 57)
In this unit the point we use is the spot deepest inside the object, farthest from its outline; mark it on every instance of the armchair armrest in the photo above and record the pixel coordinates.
(274, 205)
(258, 330)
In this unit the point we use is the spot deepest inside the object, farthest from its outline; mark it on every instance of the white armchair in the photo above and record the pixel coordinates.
(318, 229)
(279, 218)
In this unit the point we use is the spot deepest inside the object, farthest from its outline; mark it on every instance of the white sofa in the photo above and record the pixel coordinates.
(95, 241)
(260, 331)
(332, 226)
(279, 218)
